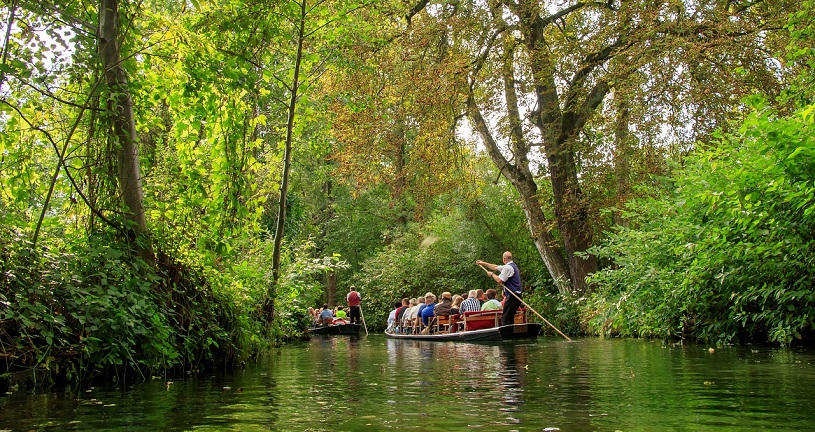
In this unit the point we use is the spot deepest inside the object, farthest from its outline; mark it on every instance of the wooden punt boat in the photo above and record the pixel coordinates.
(527, 331)
(480, 326)
(340, 327)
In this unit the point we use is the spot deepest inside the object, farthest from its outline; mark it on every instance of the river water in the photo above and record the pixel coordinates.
(373, 383)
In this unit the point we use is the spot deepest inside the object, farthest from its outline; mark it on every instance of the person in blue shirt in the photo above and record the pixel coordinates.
(427, 312)
(327, 315)
(420, 306)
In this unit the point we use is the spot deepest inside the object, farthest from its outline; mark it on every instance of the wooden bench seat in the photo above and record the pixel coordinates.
(476, 320)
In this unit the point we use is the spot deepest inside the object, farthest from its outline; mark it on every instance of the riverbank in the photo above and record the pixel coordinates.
(97, 313)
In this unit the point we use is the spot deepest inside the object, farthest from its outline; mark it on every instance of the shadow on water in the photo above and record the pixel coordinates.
(340, 383)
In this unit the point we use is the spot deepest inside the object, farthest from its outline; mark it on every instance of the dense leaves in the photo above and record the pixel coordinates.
(728, 255)
(79, 308)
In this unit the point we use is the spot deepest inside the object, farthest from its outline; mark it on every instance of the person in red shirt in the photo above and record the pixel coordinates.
(354, 312)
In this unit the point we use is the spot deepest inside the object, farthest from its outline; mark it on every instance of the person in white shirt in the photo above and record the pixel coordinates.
(510, 279)
(392, 316)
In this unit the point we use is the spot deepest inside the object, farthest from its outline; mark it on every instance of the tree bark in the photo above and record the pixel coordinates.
(518, 174)
(622, 166)
(124, 125)
(331, 288)
(572, 214)
(558, 128)
(284, 183)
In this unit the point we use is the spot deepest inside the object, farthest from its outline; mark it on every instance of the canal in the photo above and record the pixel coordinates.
(373, 383)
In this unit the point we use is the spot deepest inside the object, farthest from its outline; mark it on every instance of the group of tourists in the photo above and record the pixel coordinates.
(412, 314)
(409, 312)
(416, 313)
(328, 316)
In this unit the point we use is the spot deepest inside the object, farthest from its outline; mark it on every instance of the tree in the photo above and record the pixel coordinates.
(539, 77)
(727, 254)
(32, 73)
(123, 119)
(294, 89)
(395, 114)
(314, 29)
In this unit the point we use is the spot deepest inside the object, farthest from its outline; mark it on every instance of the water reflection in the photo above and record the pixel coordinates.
(483, 380)
(513, 363)
(374, 383)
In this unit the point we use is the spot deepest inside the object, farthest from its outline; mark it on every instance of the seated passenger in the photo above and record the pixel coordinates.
(412, 315)
(406, 316)
(340, 312)
(414, 311)
(400, 311)
(491, 303)
(422, 304)
(430, 304)
(326, 316)
(471, 304)
(454, 309)
(442, 308)
(392, 316)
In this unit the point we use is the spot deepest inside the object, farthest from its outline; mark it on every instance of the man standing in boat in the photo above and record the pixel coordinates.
(510, 279)
(354, 312)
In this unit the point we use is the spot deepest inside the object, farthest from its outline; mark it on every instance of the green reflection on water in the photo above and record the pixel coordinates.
(374, 383)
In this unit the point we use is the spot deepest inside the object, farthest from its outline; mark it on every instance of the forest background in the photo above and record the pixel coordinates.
(181, 179)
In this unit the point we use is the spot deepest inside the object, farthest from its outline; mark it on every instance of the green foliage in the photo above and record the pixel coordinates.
(94, 308)
(301, 288)
(81, 303)
(440, 254)
(206, 86)
(801, 52)
(562, 310)
(729, 255)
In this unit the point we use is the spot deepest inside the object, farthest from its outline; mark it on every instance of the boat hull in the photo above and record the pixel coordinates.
(336, 329)
(527, 331)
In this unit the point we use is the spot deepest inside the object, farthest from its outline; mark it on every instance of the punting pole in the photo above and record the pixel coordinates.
(362, 315)
(529, 307)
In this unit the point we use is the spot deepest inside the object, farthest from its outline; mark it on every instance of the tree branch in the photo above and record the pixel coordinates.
(479, 61)
(474, 113)
(513, 113)
(72, 21)
(61, 163)
(418, 7)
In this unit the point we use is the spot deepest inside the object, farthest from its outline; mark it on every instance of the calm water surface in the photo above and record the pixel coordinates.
(373, 383)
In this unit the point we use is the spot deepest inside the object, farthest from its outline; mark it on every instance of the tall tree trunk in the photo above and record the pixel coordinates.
(518, 174)
(124, 125)
(538, 226)
(331, 288)
(572, 213)
(622, 166)
(284, 183)
(559, 128)
(326, 215)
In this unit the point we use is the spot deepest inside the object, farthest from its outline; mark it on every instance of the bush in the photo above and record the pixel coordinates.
(729, 255)
(87, 309)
